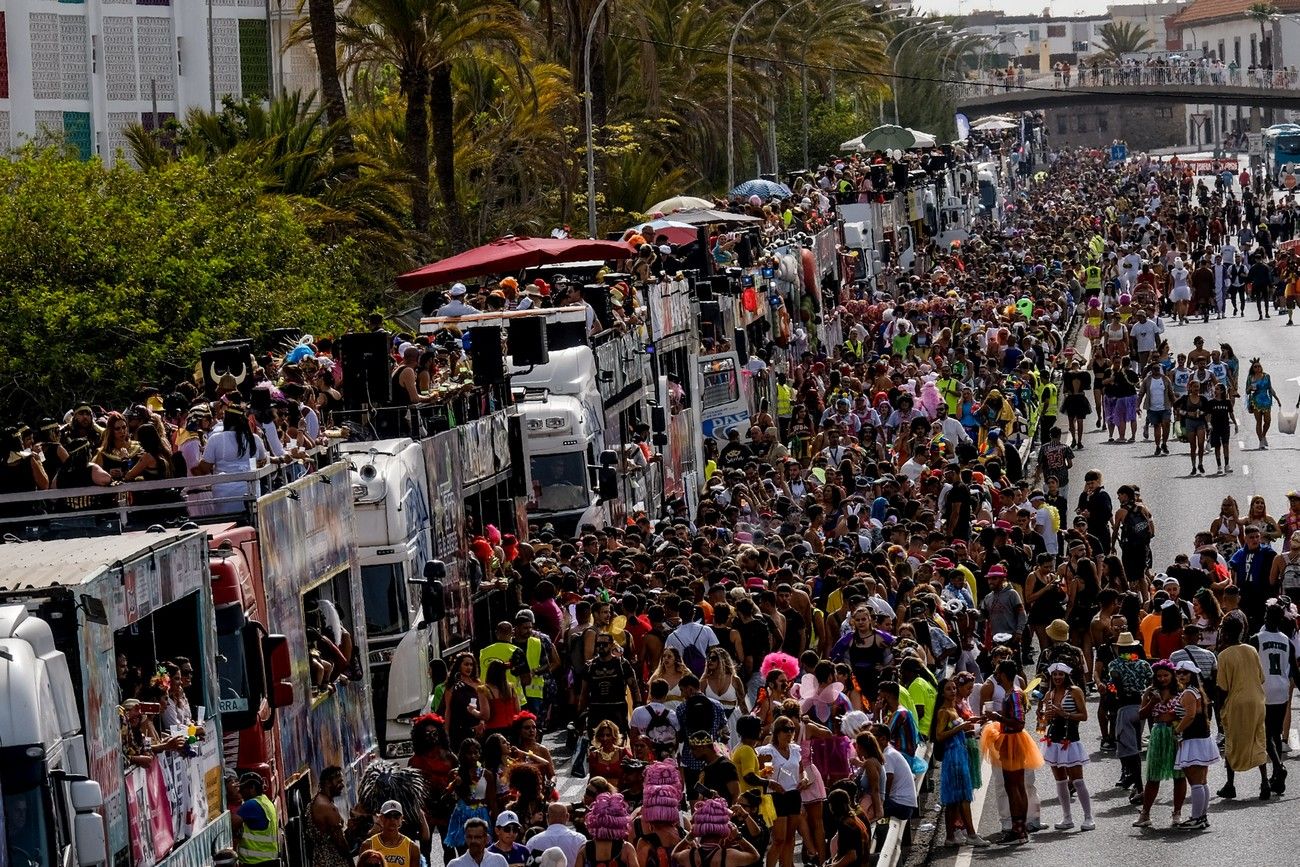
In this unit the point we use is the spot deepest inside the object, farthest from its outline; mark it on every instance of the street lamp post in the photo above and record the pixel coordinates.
(933, 34)
(587, 99)
(731, 105)
(771, 36)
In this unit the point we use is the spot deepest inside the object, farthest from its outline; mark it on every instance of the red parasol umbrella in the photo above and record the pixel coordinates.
(513, 253)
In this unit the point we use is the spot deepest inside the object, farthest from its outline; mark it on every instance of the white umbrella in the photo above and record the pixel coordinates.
(923, 139)
(992, 124)
(678, 203)
(853, 145)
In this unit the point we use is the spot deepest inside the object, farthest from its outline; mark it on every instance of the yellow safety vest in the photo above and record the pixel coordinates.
(505, 652)
(533, 652)
(1092, 277)
(258, 847)
(784, 400)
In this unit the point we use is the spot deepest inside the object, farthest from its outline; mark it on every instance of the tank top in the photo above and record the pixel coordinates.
(1290, 572)
(1200, 726)
(1062, 730)
(1275, 656)
(394, 856)
(727, 698)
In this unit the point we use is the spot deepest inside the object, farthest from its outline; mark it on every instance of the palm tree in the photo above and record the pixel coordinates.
(295, 151)
(1123, 37)
(395, 33)
(324, 37)
(492, 30)
(1261, 13)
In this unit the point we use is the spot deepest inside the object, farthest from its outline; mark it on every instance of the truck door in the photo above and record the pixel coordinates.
(725, 400)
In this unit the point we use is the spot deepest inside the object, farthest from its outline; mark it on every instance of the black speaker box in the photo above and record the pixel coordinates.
(366, 379)
(485, 355)
(527, 341)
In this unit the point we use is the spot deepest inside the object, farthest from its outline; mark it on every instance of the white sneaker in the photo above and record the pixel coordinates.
(959, 837)
(1088, 825)
(977, 841)
(1177, 817)
(1064, 825)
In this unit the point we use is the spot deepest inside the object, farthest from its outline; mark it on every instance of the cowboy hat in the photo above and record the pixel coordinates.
(1126, 639)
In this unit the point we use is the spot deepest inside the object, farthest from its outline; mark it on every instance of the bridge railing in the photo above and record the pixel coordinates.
(990, 82)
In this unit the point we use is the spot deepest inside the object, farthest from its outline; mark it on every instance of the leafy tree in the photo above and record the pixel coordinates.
(1123, 37)
(117, 276)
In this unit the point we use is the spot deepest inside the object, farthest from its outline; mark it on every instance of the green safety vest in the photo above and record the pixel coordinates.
(1092, 276)
(503, 651)
(533, 653)
(854, 349)
(1047, 399)
(258, 847)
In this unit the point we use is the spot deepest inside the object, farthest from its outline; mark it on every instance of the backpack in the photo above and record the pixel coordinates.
(1137, 527)
(692, 656)
(660, 730)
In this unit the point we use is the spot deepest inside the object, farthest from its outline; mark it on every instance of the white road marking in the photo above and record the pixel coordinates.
(976, 813)
(1245, 469)
(1293, 739)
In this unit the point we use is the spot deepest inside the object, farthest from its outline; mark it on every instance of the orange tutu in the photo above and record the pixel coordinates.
(1010, 752)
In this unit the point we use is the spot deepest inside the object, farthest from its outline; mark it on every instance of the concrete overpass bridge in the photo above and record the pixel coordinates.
(980, 99)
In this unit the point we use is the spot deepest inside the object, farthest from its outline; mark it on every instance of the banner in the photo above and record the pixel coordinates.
(444, 464)
(963, 126)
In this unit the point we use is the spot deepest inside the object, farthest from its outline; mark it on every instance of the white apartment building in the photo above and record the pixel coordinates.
(89, 69)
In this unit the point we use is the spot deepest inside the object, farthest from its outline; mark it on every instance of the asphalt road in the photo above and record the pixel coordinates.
(1183, 504)
(1243, 831)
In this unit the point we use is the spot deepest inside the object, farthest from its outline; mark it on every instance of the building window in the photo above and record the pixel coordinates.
(1081, 123)
(1236, 50)
(1254, 57)
(1220, 55)
(1033, 34)
(1164, 111)
(1056, 31)
(1062, 124)
(1103, 123)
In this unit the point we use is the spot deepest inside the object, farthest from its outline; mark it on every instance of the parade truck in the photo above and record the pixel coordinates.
(393, 533)
(84, 629)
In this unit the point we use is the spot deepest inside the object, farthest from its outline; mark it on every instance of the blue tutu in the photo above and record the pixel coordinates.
(455, 838)
(955, 784)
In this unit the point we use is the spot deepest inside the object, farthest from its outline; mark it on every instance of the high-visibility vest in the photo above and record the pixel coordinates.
(784, 400)
(258, 847)
(854, 349)
(1047, 399)
(533, 652)
(504, 651)
(1092, 277)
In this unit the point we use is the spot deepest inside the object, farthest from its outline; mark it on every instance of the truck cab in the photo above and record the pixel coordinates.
(562, 421)
(52, 811)
(390, 499)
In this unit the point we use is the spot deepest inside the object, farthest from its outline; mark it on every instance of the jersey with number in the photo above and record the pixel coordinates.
(1275, 654)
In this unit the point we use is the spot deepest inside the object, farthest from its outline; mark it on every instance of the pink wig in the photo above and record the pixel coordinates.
(661, 795)
(608, 818)
(663, 773)
(712, 818)
(783, 661)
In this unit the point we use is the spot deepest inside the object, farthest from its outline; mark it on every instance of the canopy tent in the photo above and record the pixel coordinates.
(759, 187)
(889, 137)
(678, 203)
(510, 254)
(709, 215)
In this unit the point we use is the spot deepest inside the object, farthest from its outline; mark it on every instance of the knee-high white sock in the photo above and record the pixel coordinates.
(1085, 799)
(1200, 800)
(1063, 793)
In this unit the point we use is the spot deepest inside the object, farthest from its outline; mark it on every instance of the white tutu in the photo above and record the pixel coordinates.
(1063, 756)
(1181, 293)
(1196, 753)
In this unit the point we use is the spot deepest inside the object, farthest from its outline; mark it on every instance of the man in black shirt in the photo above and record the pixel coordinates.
(756, 643)
(604, 690)
(958, 505)
(1218, 410)
(734, 453)
(1260, 280)
(719, 773)
(1096, 507)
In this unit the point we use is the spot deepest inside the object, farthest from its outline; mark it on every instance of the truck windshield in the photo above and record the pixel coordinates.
(559, 482)
(381, 589)
(26, 822)
(720, 385)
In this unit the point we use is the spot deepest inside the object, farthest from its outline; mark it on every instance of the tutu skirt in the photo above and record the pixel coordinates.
(1069, 754)
(955, 785)
(1010, 752)
(816, 790)
(831, 757)
(1092, 332)
(1196, 753)
(456, 824)
(1162, 749)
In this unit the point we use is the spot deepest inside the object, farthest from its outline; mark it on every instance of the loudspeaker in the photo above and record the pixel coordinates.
(366, 380)
(597, 295)
(517, 484)
(485, 355)
(720, 284)
(658, 419)
(430, 302)
(232, 357)
(527, 341)
(740, 342)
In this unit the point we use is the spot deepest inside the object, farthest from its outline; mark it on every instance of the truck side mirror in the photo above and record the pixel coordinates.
(279, 670)
(434, 570)
(433, 600)
(86, 795)
(92, 839)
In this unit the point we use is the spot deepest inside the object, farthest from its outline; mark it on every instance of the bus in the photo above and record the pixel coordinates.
(1282, 150)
